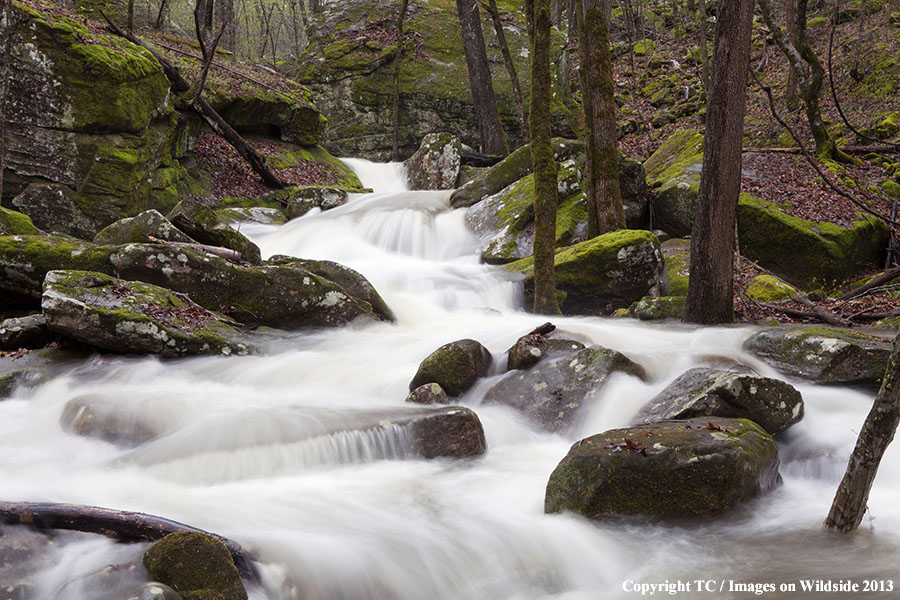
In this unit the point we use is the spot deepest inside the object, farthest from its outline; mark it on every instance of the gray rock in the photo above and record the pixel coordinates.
(201, 223)
(140, 228)
(435, 165)
(35, 367)
(553, 393)
(451, 432)
(532, 348)
(455, 367)
(674, 469)
(105, 418)
(774, 405)
(153, 591)
(24, 332)
(822, 354)
(133, 317)
(302, 199)
(253, 214)
(429, 393)
(52, 207)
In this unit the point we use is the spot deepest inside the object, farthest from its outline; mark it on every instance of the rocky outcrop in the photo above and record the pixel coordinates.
(822, 354)
(553, 393)
(196, 565)
(774, 405)
(263, 215)
(284, 292)
(203, 224)
(133, 317)
(52, 207)
(24, 332)
(455, 367)
(435, 165)
(675, 469)
(601, 274)
(140, 228)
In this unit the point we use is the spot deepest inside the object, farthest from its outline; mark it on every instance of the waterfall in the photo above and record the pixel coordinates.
(278, 451)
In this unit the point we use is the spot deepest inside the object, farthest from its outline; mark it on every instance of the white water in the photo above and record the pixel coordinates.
(262, 449)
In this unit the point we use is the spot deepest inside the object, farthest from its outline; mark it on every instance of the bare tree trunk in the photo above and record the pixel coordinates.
(486, 111)
(225, 16)
(543, 163)
(790, 12)
(876, 434)
(710, 294)
(508, 61)
(129, 18)
(6, 20)
(603, 194)
(395, 154)
(162, 17)
(704, 52)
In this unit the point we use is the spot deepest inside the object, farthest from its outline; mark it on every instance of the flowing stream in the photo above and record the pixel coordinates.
(262, 449)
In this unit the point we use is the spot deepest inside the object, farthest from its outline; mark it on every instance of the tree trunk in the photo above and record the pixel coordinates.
(162, 17)
(129, 18)
(876, 434)
(604, 197)
(543, 163)
(704, 52)
(790, 11)
(225, 16)
(395, 154)
(508, 61)
(6, 17)
(710, 294)
(486, 111)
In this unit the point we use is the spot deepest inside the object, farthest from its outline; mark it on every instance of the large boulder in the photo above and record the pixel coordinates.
(774, 405)
(674, 469)
(140, 228)
(455, 367)
(435, 165)
(676, 272)
(53, 207)
(822, 354)
(284, 292)
(553, 393)
(448, 432)
(133, 317)
(674, 171)
(196, 565)
(13, 222)
(203, 224)
(601, 274)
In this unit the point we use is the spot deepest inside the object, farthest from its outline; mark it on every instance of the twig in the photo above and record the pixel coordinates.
(861, 290)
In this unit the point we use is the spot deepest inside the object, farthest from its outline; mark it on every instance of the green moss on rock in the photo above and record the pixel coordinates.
(766, 288)
(455, 367)
(662, 307)
(15, 223)
(196, 565)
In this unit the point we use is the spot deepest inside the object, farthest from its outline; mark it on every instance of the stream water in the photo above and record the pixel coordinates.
(261, 448)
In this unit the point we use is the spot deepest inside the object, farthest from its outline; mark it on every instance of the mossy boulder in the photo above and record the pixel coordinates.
(203, 224)
(601, 274)
(106, 417)
(676, 272)
(13, 222)
(808, 254)
(133, 317)
(766, 288)
(653, 308)
(264, 215)
(435, 165)
(29, 331)
(448, 432)
(674, 171)
(887, 127)
(429, 393)
(299, 200)
(822, 354)
(554, 393)
(53, 207)
(671, 470)
(196, 565)
(532, 348)
(455, 367)
(773, 404)
(140, 228)
(284, 292)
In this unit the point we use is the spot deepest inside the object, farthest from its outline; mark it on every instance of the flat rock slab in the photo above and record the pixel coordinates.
(822, 354)
(674, 469)
(773, 404)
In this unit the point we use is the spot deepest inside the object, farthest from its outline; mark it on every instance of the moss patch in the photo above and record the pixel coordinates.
(765, 288)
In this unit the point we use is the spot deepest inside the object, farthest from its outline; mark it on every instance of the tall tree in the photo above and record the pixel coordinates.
(486, 111)
(876, 434)
(225, 18)
(603, 194)
(710, 295)
(395, 154)
(543, 162)
(508, 61)
(6, 17)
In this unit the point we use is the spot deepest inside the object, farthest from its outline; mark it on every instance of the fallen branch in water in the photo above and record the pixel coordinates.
(120, 525)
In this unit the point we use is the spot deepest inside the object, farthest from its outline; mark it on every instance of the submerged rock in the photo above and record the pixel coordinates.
(140, 228)
(455, 367)
(133, 317)
(773, 404)
(429, 393)
(674, 469)
(553, 393)
(435, 165)
(822, 354)
(34, 368)
(105, 418)
(196, 565)
(204, 225)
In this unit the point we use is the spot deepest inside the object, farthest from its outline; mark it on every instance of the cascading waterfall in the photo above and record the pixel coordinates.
(274, 450)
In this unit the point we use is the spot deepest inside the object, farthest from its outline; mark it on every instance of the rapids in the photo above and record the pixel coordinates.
(261, 449)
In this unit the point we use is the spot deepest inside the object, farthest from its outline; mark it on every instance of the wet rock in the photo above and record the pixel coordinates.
(140, 228)
(674, 469)
(452, 432)
(133, 317)
(153, 591)
(24, 332)
(656, 308)
(822, 354)
(34, 367)
(196, 565)
(435, 165)
(285, 292)
(15, 223)
(429, 393)
(201, 223)
(455, 367)
(554, 392)
(302, 199)
(601, 274)
(774, 405)
(52, 207)
(532, 348)
(254, 214)
(105, 418)
(676, 272)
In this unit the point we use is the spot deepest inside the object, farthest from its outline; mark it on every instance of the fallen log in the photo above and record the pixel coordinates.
(890, 149)
(226, 253)
(881, 279)
(124, 526)
(824, 315)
